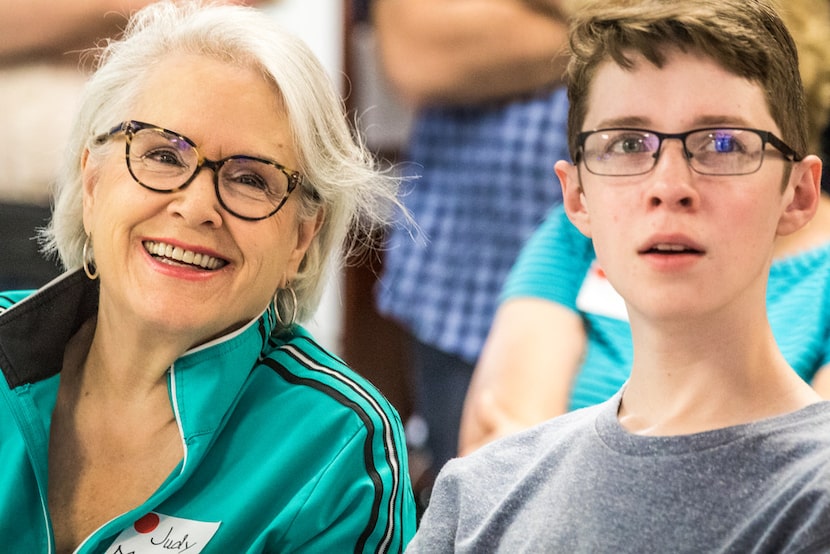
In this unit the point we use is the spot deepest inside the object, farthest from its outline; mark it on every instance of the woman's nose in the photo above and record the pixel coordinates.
(197, 202)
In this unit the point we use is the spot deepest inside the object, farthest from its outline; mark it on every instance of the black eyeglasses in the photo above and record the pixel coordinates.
(619, 152)
(165, 161)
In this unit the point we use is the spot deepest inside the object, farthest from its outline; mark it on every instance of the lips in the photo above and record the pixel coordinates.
(671, 248)
(671, 244)
(174, 254)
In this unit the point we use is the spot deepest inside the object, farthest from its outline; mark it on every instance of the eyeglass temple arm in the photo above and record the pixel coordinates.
(122, 127)
(784, 148)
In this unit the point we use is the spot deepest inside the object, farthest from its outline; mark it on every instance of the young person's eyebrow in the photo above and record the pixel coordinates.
(626, 121)
(645, 123)
(721, 121)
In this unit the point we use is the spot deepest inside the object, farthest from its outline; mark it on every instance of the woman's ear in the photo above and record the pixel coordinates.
(573, 197)
(88, 181)
(307, 229)
(801, 195)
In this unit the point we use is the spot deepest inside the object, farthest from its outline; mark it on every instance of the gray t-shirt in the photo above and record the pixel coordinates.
(581, 483)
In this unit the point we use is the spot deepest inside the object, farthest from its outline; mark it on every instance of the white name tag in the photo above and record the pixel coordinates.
(160, 533)
(598, 296)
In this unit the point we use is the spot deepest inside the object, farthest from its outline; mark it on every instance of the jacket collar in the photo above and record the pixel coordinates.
(35, 331)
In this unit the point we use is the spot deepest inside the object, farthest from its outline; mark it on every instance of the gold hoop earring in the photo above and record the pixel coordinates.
(293, 318)
(88, 260)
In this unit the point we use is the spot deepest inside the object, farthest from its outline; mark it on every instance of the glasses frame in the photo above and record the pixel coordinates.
(131, 127)
(766, 138)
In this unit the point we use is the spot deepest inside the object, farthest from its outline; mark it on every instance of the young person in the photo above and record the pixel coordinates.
(687, 126)
(560, 339)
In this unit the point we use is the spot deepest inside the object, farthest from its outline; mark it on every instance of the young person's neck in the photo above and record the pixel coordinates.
(699, 375)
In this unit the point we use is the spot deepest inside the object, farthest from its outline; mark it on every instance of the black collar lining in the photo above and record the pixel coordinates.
(34, 333)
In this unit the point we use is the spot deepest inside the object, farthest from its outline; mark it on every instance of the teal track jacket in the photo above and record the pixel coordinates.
(286, 448)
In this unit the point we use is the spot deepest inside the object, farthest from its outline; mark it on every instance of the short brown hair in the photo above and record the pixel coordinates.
(746, 37)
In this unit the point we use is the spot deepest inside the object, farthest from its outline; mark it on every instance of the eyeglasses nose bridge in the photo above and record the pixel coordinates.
(202, 163)
(678, 136)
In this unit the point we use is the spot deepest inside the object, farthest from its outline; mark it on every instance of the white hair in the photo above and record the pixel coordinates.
(341, 176)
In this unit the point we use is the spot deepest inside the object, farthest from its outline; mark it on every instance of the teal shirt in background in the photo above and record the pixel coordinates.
(558, 264)
(286, 448)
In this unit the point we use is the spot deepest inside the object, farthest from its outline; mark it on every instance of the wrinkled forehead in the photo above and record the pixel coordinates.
(225, 109)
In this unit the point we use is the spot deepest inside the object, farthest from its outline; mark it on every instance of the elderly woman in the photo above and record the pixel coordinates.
(160, 394)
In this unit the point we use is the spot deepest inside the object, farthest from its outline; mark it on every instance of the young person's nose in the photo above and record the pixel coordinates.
(672, 179)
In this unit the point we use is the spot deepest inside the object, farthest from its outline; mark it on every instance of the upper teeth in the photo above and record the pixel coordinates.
(670, 247)
(182, 255)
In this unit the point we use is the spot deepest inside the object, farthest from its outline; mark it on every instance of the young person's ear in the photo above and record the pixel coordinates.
(573, 198)
(801, 196)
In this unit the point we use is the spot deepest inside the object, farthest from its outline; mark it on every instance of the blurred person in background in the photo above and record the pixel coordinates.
(485, 79)
(41, 76)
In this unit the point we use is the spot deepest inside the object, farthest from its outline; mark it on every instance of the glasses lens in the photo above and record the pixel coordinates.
(725, 151)
(160, 160)
(620, 152)
(252, 188)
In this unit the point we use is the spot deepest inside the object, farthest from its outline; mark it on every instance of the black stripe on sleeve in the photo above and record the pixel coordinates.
(368, 452)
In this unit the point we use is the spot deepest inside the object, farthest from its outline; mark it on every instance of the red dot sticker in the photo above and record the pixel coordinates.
(147, 524)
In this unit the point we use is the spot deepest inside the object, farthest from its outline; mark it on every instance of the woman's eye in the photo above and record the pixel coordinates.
(251, 180)
(163, 157)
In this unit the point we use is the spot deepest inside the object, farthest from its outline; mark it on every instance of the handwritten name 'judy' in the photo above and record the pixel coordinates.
(172, 543)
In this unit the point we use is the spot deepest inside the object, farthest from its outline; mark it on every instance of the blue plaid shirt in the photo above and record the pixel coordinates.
(483, 181)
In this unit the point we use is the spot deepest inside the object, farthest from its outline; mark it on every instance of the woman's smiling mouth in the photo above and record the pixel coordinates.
(174, 254)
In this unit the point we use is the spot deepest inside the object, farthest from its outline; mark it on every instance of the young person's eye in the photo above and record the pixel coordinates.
(628, 144)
